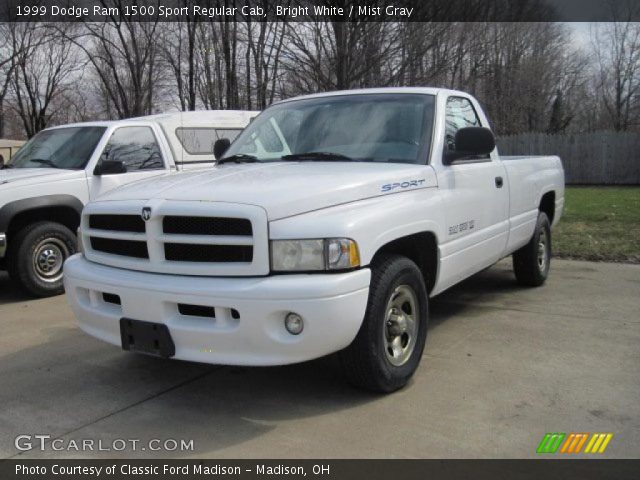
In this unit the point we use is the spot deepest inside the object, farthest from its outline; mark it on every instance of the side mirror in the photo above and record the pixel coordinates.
(221, 146)
(110, 167)
(471, 142)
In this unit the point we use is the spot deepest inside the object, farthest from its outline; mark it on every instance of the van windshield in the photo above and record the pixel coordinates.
(394, 128)
(66, 148)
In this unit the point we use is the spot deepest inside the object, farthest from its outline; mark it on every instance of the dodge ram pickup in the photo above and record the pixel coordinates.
(47, 183)
(325, 227)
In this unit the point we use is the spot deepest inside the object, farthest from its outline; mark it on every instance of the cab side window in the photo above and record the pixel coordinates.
(459, 114)
(136, 147)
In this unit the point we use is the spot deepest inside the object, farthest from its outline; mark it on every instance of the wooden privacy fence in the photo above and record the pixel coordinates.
(605, 158)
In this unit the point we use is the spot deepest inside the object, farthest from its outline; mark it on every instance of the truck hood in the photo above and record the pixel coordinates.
(29, 176)
(283, 189)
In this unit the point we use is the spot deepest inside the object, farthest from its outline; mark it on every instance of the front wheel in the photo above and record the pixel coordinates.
(532, 262)
(388, 348)
(37, 254)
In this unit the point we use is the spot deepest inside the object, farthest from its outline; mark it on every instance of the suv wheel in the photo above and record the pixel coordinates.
(37, 256)
(388, 348)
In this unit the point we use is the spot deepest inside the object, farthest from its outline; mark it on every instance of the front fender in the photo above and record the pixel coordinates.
(11, 209)
(372, 223)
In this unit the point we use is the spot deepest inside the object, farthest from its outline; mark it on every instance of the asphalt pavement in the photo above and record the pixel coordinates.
(503, 366)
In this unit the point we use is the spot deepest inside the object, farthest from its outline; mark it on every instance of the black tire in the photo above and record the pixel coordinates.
(531, 263)
(369, 361)
(36, 248)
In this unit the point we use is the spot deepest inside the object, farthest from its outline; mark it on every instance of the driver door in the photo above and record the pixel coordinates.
(137, 147)
(476, 198)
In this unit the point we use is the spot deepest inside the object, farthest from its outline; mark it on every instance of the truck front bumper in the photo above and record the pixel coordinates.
(3, 245)
(248, 328)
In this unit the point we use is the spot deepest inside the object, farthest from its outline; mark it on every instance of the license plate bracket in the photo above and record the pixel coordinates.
(146, 337)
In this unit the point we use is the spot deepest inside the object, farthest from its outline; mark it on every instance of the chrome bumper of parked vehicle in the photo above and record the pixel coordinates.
(3, 245)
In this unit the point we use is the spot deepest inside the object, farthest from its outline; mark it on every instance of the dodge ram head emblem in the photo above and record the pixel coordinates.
(146, 213)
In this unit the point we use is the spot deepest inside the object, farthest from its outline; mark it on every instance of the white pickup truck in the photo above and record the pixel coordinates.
(47, 183)
(326, 226)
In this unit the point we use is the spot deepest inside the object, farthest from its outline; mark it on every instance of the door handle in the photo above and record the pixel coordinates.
(499, 182)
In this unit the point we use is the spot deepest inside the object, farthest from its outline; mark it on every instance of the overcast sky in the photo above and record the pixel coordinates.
(580, 33)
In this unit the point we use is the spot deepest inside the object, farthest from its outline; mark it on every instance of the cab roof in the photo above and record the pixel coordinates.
(365, 91)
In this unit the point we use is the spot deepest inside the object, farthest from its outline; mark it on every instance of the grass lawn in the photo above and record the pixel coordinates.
(600, 223)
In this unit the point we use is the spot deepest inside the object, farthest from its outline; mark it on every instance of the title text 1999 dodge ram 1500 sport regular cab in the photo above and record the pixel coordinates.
(47, 183)
(325, 227)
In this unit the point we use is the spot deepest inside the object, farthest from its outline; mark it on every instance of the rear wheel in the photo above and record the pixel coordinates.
(36, 257)
(388, 348)
(532, 262)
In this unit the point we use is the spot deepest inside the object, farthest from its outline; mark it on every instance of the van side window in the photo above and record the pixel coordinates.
(136, 147)
(459, 114)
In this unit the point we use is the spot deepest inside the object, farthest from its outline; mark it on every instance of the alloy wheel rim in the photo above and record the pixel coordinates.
(401, 325)
(542, 251)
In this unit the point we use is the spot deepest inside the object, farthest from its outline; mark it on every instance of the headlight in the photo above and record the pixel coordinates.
(314, 255)
(341, 253)
(289, 255)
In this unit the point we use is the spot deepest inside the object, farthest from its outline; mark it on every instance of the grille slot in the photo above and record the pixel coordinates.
(111, 298)
(207, 226)
(182, 252)
(196, 310)
(119, 223)
(125, 248)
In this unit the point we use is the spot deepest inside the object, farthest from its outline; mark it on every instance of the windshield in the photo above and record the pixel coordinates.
(68, 148)
(369, 128)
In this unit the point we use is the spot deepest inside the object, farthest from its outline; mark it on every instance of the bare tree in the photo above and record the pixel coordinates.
(335, 54)
(529, 76)
(516, 70)
(12, 44)
(218, 85)
(123, 52)
(43, 70)
(178, 43)
(210, 82)
(617, 49)
(265, 43)
(7, 64)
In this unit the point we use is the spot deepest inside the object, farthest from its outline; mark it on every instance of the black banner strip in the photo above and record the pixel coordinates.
(320, 10)
(547, 469)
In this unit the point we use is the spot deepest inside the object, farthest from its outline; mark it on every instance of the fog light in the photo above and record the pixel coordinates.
(293, 323)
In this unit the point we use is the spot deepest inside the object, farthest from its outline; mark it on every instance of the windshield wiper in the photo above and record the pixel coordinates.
(318, 157)
(45, 161)
(238, 158)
